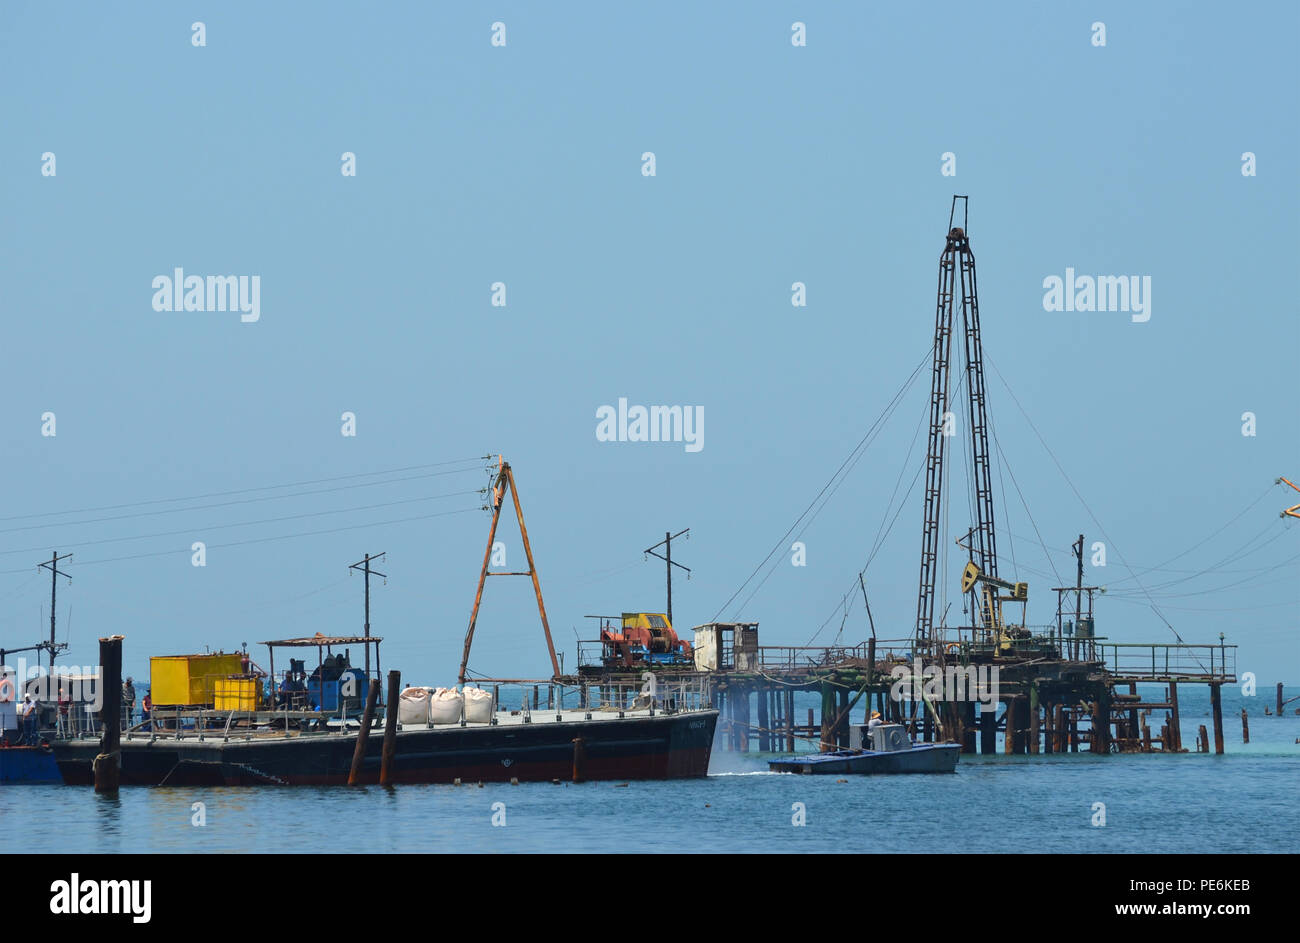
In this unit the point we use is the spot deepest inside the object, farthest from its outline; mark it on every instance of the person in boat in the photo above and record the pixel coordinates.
(875, 720)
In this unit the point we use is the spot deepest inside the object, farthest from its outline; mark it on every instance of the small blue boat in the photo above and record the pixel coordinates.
(892, 753)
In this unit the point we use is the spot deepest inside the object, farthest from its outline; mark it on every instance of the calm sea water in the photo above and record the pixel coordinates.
(1244, 801)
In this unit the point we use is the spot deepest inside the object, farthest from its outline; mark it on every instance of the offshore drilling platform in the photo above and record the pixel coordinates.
(1046, 689)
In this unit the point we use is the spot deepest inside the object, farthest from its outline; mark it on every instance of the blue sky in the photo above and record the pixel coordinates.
(774, 164)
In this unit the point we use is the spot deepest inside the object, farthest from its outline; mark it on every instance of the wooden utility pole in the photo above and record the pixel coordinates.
(364, 567)
(667, 557)
(506, 479)
(52, 565)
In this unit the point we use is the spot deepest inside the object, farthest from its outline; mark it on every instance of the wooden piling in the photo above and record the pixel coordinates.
(989, 728)
(968, 727)
(724, 715)
(1133, 726)
(1146, 737)
(789, 720)
(1049, 732)
(579, 759)
(773, 719)
(842, 718)
(1216, 702)
(1203, 746)
(1033, 719)
(107, 765)
(390, 728)
(1009, 726)
(735, 697)
(363, 735)
(1097, 732)
(827, 738)
(1175, 724)
(763, 743)
(742, 719)
(1279, 699)
(1245, 726)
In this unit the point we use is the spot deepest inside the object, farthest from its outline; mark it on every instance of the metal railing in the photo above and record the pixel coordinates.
(1159, 660)
(807, 656)
(666, 694)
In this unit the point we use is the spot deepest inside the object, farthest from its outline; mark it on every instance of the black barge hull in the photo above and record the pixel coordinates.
(665, 746)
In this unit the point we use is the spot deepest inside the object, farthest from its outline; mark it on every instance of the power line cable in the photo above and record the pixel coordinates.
(218, 494)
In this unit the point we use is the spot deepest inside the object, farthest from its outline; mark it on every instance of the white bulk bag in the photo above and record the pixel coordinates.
(445, 706)
(413, 706)
(478, 706)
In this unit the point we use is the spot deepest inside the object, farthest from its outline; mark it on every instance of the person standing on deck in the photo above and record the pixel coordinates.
(30, 719)
(146, 708)
(128, 701)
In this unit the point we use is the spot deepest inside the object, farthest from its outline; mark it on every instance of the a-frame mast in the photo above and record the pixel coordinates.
(506, 479)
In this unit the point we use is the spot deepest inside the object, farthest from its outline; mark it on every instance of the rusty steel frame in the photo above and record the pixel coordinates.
(956, 265)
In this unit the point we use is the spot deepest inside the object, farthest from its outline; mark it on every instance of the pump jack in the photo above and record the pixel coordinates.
(1000, 633)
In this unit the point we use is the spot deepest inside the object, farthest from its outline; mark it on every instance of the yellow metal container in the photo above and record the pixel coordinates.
(189, 679)
(235, 694)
